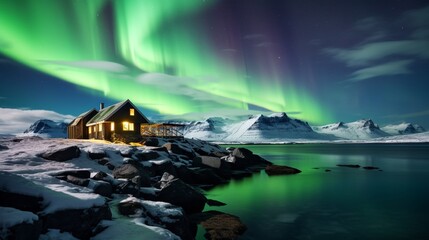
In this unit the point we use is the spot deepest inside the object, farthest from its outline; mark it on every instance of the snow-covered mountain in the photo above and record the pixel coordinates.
(361, 129)
(403, 128)
(47, 128)
(277, 127)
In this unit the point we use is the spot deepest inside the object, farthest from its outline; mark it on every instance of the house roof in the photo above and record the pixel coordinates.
(78, 118)
(105, 113)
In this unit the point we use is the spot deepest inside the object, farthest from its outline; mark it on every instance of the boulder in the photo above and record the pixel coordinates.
(152, 142)
(103, 161)
(80, 222)
(128, 152)
(159, 149)
(103, 188)
(74, 173)
(109, 166)
(215, 203)
(280, 170)
(130, 170)
(206, 176)
(176, 192)
(77, 181)
(209, 161)
(159, 168)
(349, 165)
(21, 201)
(62, 154)
(16, 224)
(96, 154)
(241, 158)
(100, 175)
(370, 168)
(219, 225)
(177, 149)
(160, 214)
(146, 156)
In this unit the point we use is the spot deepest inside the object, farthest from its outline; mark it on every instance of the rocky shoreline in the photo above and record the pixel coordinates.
(158, 183)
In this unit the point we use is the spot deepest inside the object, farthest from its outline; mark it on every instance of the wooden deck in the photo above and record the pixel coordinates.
(161, 130)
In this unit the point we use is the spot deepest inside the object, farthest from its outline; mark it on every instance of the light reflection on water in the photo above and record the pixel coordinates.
(344, 203)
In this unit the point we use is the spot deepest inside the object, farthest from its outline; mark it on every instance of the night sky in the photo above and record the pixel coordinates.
(320, 61)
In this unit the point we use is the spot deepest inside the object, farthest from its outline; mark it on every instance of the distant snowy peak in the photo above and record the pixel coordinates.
(403, 128)
(278, 121)
(361, 129)
(48, 128)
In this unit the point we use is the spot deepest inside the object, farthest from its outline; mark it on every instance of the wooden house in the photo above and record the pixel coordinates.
(119, 122)
(77, 128)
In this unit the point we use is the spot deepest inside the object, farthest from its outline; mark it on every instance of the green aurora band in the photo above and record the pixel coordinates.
(142, 51)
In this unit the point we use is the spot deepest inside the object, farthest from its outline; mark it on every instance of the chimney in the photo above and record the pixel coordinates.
(101, 106)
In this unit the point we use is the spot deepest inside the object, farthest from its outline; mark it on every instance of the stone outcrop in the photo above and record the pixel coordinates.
(62, 154)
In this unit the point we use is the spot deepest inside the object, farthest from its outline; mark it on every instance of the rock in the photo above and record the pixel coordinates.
(176, 149)
(160, 214)
(218, 154)
(348, 165)
(152, 142)
(130, 170)
(29, 226)
(327, 170)
(159, 149)
(75, 173)
(176, 192)
(80, 222)
(20, 201)
(280, 170)
(62, 154)
(215, 203)
(96, 154)
(219, 225)
(207, 176)
(3, 148)
(103, 188)
(370, 168)
(230, 149)
(185, 174)
(237, 174)
(103, 161)
(127, 188)
(128, 152)
(213, 162)
(146, 156)
(100, 175)
(109, 166)
(241, 158)
(77, 181)
(159, 168)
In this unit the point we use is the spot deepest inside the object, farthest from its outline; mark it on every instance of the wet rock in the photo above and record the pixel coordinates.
(103, 188)
(176, 149)
(219, 225)
(280, 170)
(62, 154)
(215, 203)
(237, 174)
(207, 176)
(348, 165)
(80, 222)
(77, 181)
(370, 168)
(176, 192)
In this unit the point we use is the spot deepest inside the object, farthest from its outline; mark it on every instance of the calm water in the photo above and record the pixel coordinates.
(342, 204)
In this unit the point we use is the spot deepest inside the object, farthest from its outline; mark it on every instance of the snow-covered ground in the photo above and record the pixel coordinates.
(23, 171)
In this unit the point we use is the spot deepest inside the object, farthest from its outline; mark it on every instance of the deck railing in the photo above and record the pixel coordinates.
(161, 130)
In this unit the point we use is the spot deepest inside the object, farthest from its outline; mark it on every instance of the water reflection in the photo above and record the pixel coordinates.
(344, 203)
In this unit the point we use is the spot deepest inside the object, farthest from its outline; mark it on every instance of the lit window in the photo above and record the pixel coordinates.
(89, 130)
(112, 126)
(100, 127)
(127, 126)
(95, 128)
(131, 111)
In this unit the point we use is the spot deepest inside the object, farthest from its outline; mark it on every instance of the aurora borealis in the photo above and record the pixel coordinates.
(195, 58)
